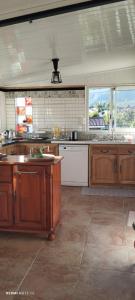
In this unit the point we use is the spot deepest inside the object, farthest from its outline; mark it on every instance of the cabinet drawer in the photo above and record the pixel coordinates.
(5, 173)
(104, 149)
(127, 149)
(28, 170)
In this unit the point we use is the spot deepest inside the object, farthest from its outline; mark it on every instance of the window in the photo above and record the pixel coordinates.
(124, 100)
(23, 115)
(109, 107)
(99, 108)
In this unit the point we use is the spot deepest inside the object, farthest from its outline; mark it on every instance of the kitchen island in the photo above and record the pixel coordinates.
(30, 194)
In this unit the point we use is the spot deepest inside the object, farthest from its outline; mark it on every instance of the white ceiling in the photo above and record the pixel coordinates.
(95, 46)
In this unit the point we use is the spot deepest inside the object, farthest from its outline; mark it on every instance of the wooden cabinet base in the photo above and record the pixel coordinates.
(112, 165)
(30, 194)
(51, 236)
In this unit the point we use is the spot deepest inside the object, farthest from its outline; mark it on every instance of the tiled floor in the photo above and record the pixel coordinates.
(92, 257)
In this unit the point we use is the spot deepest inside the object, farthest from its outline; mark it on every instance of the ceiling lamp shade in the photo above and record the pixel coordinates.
(56, 77)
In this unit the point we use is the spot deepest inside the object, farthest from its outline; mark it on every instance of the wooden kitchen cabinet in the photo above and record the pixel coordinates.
(11, 150)
(126, 164)
(6, 205)
(6, 199)
(52, 148)
(104, 169)
(103, 164)
(20, 149)
(126, 169)
(5, 173)
(24, 149)
(30, 194)
(112, 165)
(3, 150)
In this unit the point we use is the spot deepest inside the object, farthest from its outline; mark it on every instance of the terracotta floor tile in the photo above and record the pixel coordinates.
(69, 253)
(16, 255)
(76, 216)
(109, 218)
(92, 257)
(130, 236)
(78, 202)
(51, 281)
(106, 235)
(105, 285)
(129, 204)
(12, 271)
(72, 233)
(109, 203)
(111, 257)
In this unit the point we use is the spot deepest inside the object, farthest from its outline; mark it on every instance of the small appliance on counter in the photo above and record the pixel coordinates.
(9, 134)
(74, 135)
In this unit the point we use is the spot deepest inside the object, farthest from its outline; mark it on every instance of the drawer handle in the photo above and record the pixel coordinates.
(21, 172)
(104, 151)
(115, 165)
(131, 152)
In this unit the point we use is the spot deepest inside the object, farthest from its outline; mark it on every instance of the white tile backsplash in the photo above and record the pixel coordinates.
(54, 108)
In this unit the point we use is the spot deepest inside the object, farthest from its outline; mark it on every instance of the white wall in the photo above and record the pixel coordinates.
(2, 111)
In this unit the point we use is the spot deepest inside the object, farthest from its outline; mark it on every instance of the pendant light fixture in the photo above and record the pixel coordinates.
(56, 76)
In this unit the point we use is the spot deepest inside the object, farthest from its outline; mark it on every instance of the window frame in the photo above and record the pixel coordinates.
(112, 110)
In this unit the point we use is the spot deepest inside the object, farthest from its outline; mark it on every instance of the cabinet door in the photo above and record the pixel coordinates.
(127, 169)
(20, 149)
(103, 169)
(11, 150)
(29, 182)
(3, 150)
(6, 205)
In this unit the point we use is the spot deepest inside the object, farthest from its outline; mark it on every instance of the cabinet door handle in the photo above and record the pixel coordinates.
(120, 168)
(22, 172)
(14, 195)
(115, 165)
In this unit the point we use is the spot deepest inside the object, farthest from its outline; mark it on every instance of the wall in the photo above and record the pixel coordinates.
(53, 108)
(2, 111)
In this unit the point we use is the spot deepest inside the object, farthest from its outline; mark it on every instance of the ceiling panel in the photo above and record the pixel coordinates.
(87, 42)
(12, 8)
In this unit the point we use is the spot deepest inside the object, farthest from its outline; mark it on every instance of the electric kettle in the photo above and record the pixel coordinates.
(74, 135)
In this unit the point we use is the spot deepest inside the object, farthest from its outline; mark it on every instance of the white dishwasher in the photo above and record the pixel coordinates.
(74, 167)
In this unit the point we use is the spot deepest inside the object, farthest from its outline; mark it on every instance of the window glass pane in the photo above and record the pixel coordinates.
(125, 108)
(99, 108)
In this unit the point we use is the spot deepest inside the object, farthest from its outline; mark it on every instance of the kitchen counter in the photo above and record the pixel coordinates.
(91, 142)
(28, 141)
(67, 142)
(27, 159)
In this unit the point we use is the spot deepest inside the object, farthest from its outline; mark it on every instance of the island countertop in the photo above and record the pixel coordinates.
(27, 159)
